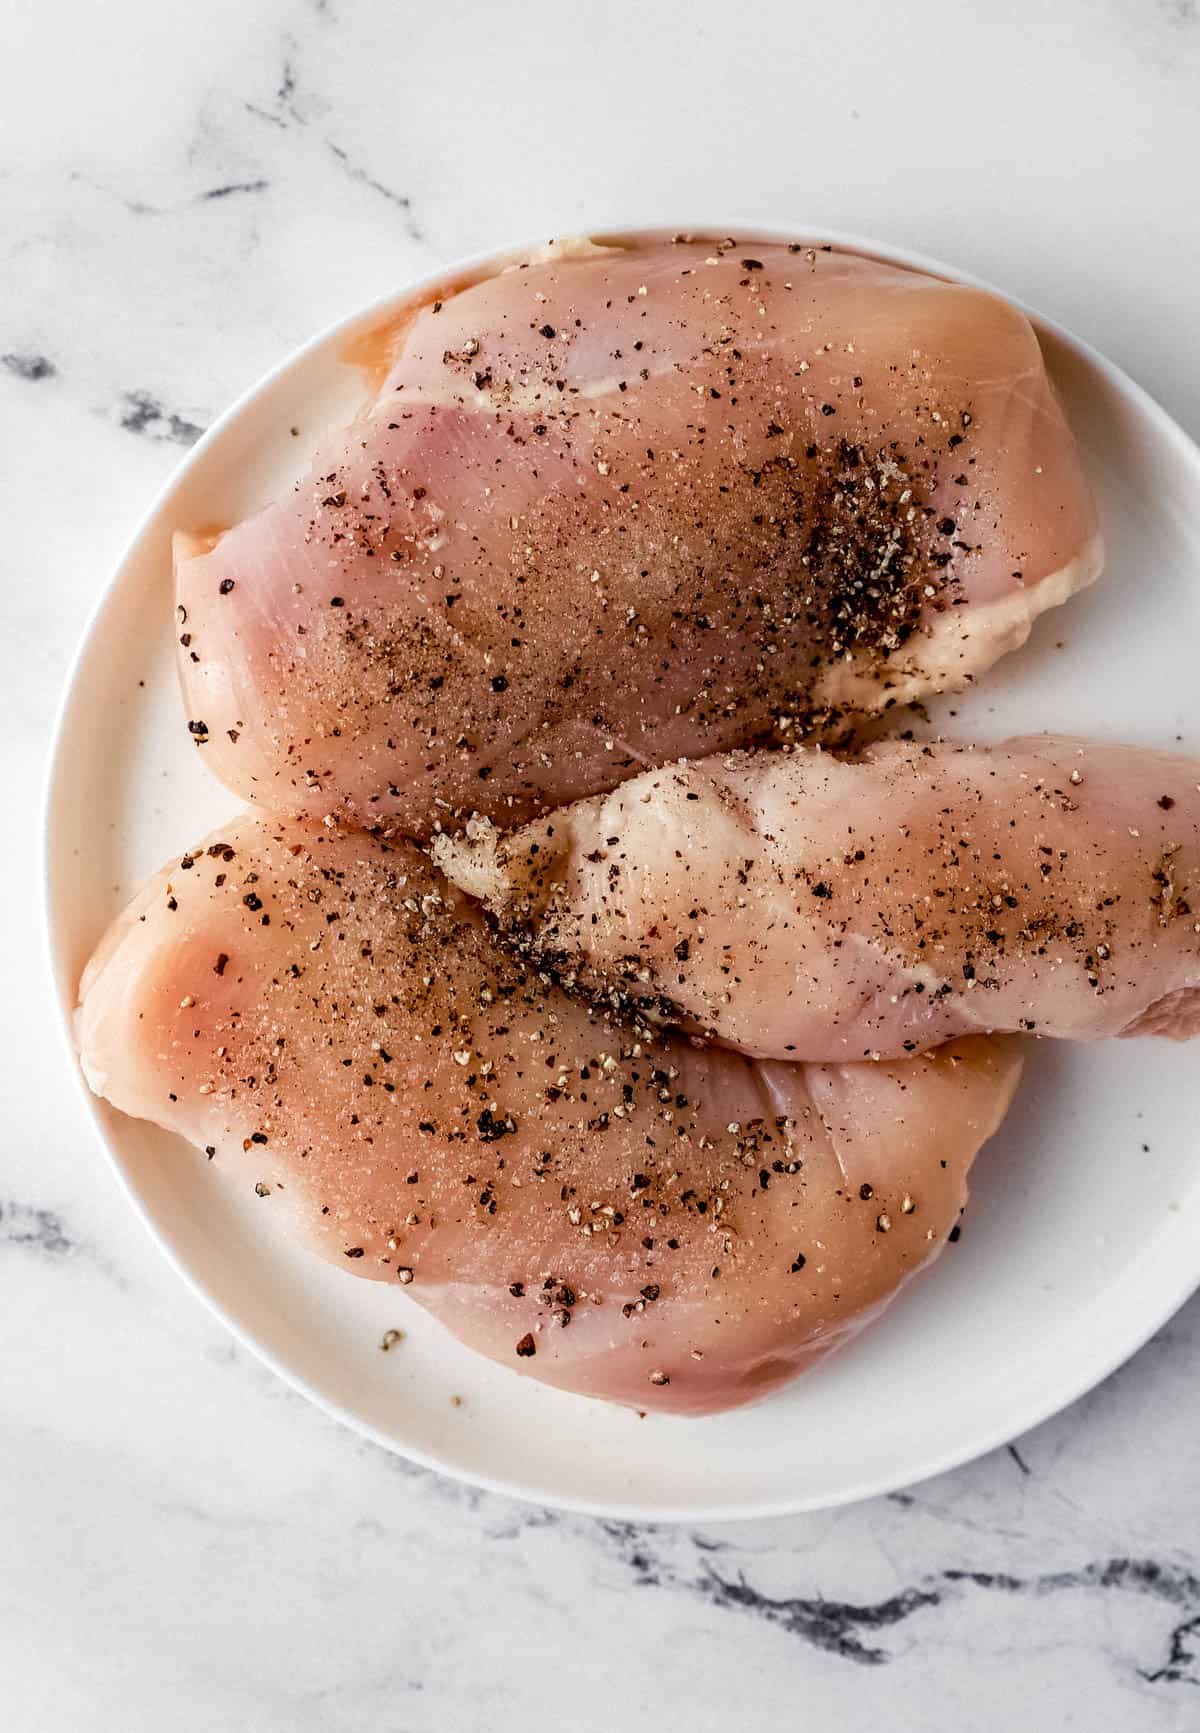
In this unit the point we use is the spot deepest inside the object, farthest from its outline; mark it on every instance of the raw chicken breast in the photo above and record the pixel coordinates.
(616, 506)
(798, 905)
(613, 1210)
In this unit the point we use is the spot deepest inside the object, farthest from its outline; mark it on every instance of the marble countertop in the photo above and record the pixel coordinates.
(187, 192)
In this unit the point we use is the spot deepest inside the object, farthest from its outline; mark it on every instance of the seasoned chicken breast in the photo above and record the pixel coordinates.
(610, 1209)
(801, 905)
(615, 506)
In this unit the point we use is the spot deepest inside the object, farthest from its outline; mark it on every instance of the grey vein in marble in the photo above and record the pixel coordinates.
(285, 112)
(231, 189)
(139, 207)
(1182, 1665)
(39, 1230)
(706, 1570)
(842, 1627)
(30, 366)
(288, 111)
(1018, 1458)
(356, 172)
(141, 413)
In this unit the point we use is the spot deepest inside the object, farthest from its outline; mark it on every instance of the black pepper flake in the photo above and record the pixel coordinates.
(798, 1262)
(1166, 802)
(253, 902)
(499, 683)
(354, 1252)
(225, 586)
(490, 1128)
(220, 965)
(955, 1234)
(526, 1347)
(866, 1192)
(517, 1290)
(337, 602)
(549, 331)
(258, 1137)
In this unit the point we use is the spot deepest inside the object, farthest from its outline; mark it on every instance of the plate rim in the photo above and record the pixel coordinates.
(1174, 1293)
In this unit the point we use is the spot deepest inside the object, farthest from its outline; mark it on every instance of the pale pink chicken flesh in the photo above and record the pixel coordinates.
(616, 506)
(607, 1208)
(799, 905)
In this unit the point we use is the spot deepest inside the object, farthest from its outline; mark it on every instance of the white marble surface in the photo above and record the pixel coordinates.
(185, 193)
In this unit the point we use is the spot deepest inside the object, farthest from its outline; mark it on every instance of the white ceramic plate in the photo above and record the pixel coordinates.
(1083, 1233)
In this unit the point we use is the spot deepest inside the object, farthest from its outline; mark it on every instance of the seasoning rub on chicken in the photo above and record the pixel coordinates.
(800, 905)
(617, 505)
(611, 1209)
